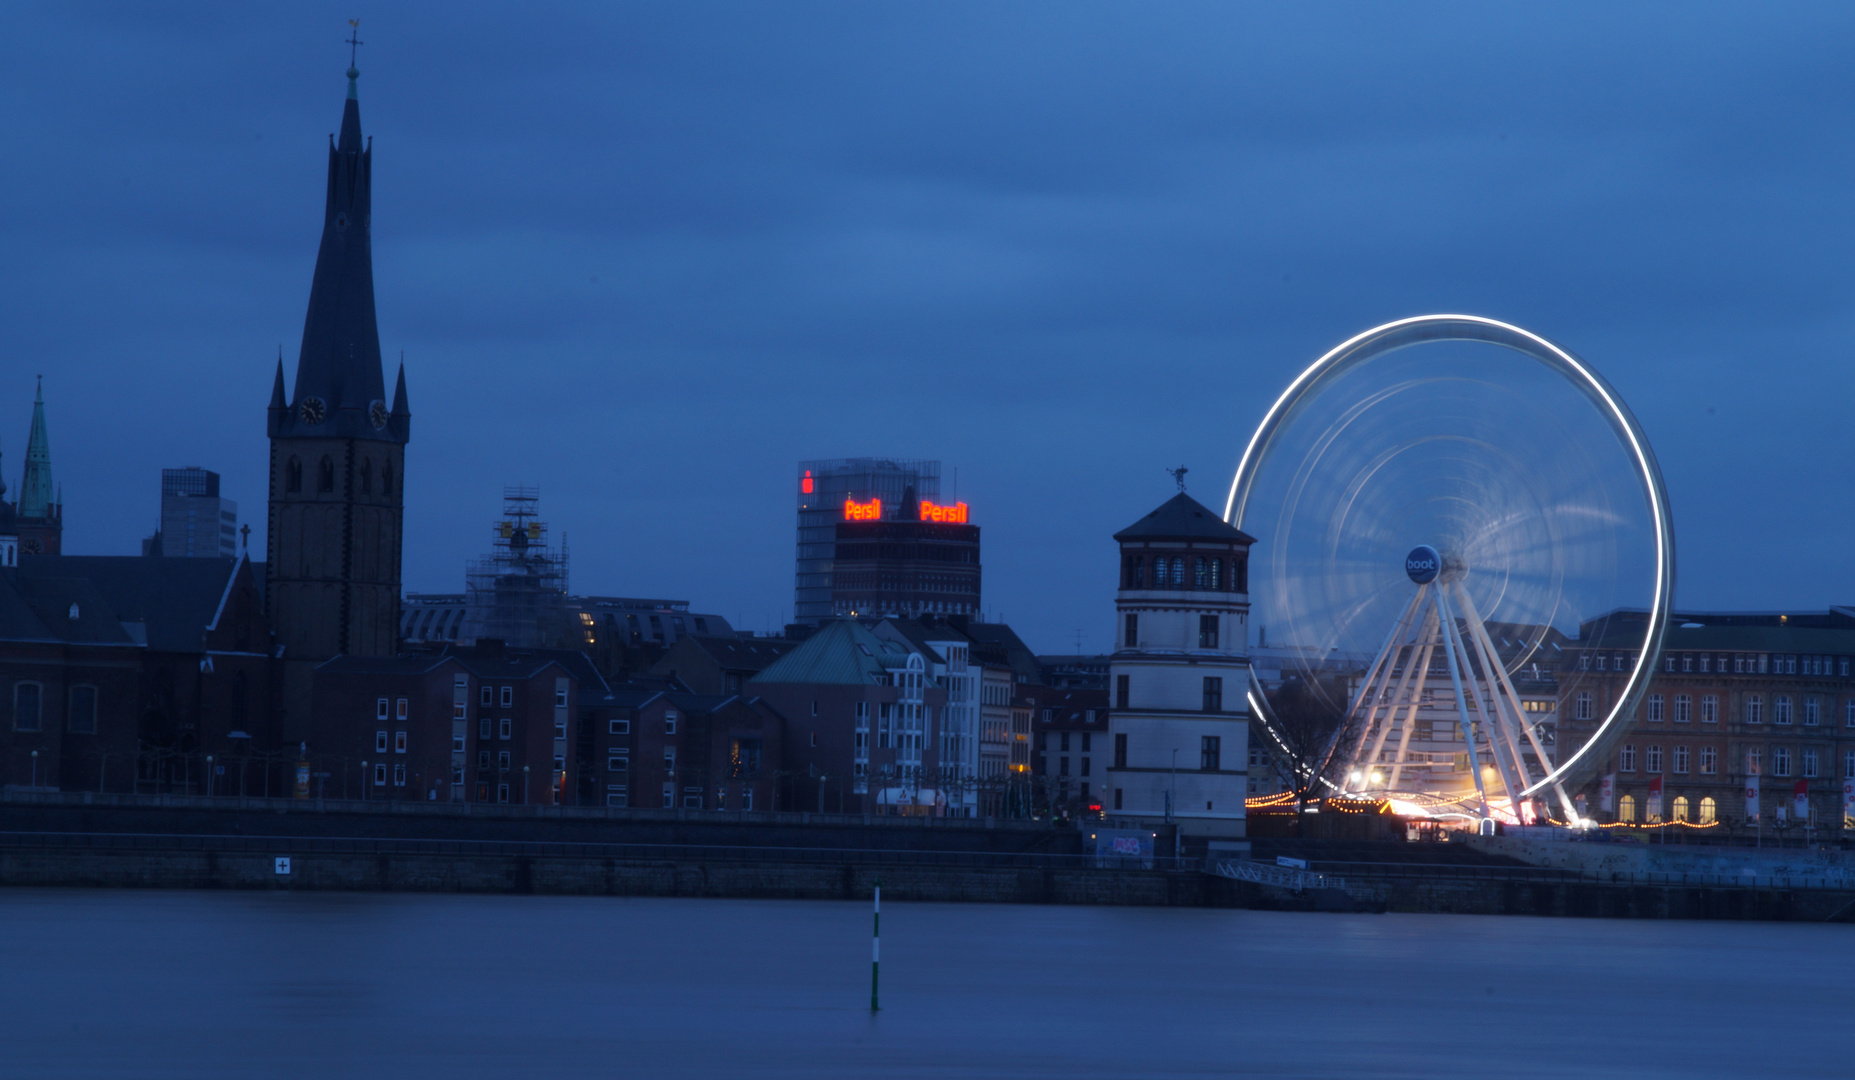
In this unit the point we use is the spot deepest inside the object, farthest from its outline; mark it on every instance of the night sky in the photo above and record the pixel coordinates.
(650, 256)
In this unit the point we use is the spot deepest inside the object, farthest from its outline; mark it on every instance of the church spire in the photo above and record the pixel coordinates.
(340, 390)
(36, 496)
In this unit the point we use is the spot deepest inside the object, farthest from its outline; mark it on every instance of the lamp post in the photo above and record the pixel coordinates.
(363, 779)
(35, 769)
(209, 776)
(524, 785)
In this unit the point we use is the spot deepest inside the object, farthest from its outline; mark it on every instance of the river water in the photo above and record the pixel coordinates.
(170, 984)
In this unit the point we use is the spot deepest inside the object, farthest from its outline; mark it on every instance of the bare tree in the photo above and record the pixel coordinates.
(1306, 720)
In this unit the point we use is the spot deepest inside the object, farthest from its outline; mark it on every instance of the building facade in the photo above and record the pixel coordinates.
(195, 521)
(1180, 717)
(337, 448)
(827, 489)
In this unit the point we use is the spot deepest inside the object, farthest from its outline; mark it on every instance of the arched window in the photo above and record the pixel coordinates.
(325, 475)
(1217, 566)
(386, 479)
(1139, 572)
(1781, 709)
(1626, 808)
(1200, 573)
(293, 475)
(1681, 808)
(1178, 571)
(367, 476)
(1709, 811)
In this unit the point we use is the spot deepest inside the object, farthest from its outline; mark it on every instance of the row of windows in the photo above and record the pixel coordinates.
(1783, 759)
(325, 476)
(1213, 692)
(1722, 663)
(1207, 631)
(1709, 810)
(1657, 709)
(29, 710)
(1209, 575)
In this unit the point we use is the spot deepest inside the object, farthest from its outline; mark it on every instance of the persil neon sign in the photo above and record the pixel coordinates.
(865, 511)
(952, 515)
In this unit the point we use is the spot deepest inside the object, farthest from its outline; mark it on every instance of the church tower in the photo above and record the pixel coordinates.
(41, 507)
(337, 469)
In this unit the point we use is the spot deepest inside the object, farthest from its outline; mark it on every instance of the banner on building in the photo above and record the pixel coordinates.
(1655, 800)
(1800, 801)
(1848, 803)
(1752, 797)
(1607, 793)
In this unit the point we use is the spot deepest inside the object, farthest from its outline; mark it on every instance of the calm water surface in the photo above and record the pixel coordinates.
(155, 984)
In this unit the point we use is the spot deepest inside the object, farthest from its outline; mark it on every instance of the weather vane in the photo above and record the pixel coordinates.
(1178, 476)
(354, 40)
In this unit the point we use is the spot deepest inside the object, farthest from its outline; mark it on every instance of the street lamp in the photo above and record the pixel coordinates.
(524, 785)
(363, 779)
(209, 776)
(35, 769)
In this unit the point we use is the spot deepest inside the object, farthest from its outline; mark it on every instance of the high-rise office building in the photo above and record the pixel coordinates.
(195, 521)
(827, 491)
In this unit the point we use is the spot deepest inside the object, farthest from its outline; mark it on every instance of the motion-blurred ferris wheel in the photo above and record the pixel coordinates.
(1443, 521)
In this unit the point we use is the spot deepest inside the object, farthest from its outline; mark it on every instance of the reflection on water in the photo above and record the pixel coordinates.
(134, 984)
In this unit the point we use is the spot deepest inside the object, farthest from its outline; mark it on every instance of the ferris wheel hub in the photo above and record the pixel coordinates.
(1426, 564)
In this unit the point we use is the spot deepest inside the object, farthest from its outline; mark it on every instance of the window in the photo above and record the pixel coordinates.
(1655, 708)
(508, 696)
(504, 728)
(1063, 766)
(560, 697)
(1085, 741)
(293, 476)
(502, 793)
(1681, 760)
(380, 710)
(1754, 709)
(669, 796)
(1130, 635)
(1681, 708)
(1210, 753)
(502, 760)
(1063, 741)
(618, 763)
(1207, 631)
(1213, 693)
(483, 727)
(1709, 760)
(457, 775)
(400, 708)
(1709, 811)
(1117, 798)
(669, 721)
(1085, 766)
(380, 775)
(1217, 567)
(620, 727)
(1584, 661)
(1705, 663)
(1626, 761)
(1755, 760)
(1201, 574)
(1681, 808)
(1582, 706)
(1809, 761)
(1668, 662)
(1842, 667)
(1780, 761)
(483, 759)
(1781, 709)
(1687, 662)
(82, 719)
(1626, 808)
(1710, 709)
(1178, 571)
(560, 763)
(489, 696)
(1655, 758)
(325, 475)
(1812, 712)
(26, 710)
(669, 761)
(457, 742)
(1120, 750)
(560, 727)
(1848, 763)
(399, 742)
(615, 795)
(379, 742)
(399, 775)
(386, 479)
(1121, 695)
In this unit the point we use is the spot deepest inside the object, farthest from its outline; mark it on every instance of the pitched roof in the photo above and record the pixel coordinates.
(1184, 518)
(841, 652)
(39, 609)
(175, 599)
(742, 654)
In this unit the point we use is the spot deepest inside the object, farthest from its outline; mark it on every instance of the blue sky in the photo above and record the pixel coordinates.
(650, 256)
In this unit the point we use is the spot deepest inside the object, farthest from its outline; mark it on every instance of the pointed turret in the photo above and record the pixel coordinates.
(339, 387)
(280, 405)
(402, 412)
(35, 487)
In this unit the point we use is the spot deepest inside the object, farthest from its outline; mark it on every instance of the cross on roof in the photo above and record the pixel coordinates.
(354, 40)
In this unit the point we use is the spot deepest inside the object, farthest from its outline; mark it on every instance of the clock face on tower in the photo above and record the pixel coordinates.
(314, 411)
(377, 414)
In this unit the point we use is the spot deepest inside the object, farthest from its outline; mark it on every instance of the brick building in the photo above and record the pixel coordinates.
(1737, 694)
(670, 749)
(1070, 748)
(719, 665)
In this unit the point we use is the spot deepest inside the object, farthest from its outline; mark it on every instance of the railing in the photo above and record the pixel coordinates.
(1552, 875)
(1284, 877)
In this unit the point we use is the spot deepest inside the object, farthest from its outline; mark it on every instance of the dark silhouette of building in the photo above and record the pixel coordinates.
(337, 448)
(40, 510)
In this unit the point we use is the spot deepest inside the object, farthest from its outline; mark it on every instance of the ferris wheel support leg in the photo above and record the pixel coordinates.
(1492, 720)
(1419, 664)
(1510, 716)
(1462, 703)
(1365, 705)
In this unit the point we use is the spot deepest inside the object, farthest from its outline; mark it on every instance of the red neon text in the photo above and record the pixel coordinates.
(952, 515)
(805, 485)
(856, 511)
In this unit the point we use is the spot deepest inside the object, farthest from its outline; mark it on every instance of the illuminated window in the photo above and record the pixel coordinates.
(1709, 811)
(1681, 808)
(1755, 761)
(1626, 808)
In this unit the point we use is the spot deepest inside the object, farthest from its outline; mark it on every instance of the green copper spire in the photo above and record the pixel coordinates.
(35, 488)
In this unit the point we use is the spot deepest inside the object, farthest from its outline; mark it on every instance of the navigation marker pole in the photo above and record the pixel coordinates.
(876, 948)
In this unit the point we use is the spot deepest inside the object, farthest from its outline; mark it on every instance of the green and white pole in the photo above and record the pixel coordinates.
(876, 949)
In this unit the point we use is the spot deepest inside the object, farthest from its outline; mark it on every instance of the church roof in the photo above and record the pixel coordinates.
(175, 599)
(35, 487)
(1184, 518)
(339, 378)
(842, 653)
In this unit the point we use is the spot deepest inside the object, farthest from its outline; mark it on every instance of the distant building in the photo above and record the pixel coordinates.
(39, 513)
(1180, 718)
(1075, 672)
(195, 521)
(1070, 750)
(907, 566)
(666, 749)
(847, 489)
(719, 665)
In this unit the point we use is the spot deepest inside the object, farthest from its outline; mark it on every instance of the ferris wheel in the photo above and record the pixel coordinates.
(1447, 508)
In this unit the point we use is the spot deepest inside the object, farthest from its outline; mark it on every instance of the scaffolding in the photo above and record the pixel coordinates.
(518, 593)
